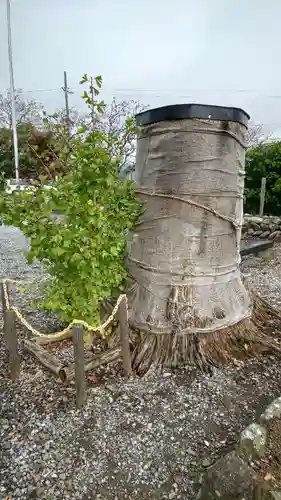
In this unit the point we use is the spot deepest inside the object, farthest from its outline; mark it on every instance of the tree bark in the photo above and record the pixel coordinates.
(185, 251)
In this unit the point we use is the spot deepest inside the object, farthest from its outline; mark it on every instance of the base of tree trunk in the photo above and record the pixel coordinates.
(247, 338)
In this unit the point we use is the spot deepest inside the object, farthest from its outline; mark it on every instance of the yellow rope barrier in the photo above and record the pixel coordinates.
(61, 334)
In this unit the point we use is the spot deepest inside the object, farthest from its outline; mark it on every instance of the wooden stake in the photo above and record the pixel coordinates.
(78, 344)
(104, 358)
(44, 357)
(125, 338)
(10, 334)
(4, 305)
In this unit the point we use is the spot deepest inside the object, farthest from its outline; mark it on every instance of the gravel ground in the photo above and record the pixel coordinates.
(148, 438)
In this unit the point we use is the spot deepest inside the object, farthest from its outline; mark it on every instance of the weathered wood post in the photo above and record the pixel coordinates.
(125, 337)
(79, 361)
(3, 300)
(48, 360)
(10, 335)
(262, 195)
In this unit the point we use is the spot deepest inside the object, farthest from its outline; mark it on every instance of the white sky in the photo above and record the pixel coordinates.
(156, 51)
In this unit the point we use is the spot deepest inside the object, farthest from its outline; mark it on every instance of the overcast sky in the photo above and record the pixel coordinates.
(157, 51)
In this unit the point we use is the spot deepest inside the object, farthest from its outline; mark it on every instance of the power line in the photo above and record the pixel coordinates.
(41, 90)
(184, 90)
(163, 92)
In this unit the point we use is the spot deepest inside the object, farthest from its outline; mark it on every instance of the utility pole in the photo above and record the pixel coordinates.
(12, 92)
(66, 92)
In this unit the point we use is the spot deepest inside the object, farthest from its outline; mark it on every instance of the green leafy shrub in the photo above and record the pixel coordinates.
(263, 160)
(83, 250)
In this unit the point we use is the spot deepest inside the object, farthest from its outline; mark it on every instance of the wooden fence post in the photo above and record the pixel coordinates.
(4, 305)
(10, 334)
(79, 361)
(125, 337)
(262, 195)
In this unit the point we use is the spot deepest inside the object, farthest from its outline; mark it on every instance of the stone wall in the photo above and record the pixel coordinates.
(267, 227)
(233, 475)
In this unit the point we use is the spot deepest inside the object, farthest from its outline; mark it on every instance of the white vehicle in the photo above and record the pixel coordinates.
(21, 186)
(14, 186)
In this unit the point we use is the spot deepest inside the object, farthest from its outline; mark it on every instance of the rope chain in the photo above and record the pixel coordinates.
(101, 328)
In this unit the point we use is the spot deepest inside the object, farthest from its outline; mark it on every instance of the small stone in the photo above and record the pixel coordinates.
(252, 442)
(32, 492)
(44, 436)
(190, 451)
(147, 397)
(272, 235)
(255, 226)
(63, 400)
(112, 388)
(172, 495)
(275, 219)
(68, 484)
(230, 477)
(265, 235)
(255, 220)
(206, 462)
(39, 373)
(277, 237)
(38, 466)
(272, 411)
(178, 478)
(62, 476)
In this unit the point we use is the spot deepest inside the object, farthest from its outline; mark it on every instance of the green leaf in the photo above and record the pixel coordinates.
(83, 251)
(84, 79)
(98, 81)
(58, 251)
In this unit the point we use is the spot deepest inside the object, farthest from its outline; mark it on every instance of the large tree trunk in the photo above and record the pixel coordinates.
(185, 252)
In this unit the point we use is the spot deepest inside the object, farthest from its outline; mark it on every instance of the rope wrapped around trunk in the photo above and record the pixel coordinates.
(184, 253)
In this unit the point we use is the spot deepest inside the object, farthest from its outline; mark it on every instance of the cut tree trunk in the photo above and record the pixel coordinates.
(190, 303)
